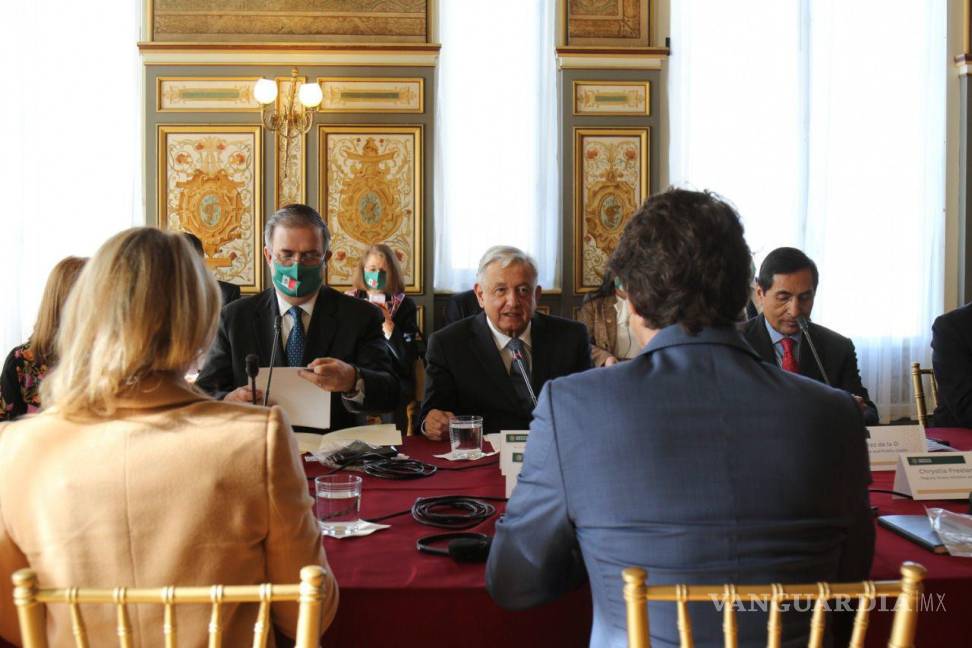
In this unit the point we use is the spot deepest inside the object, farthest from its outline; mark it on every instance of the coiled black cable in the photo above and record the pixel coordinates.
(398, 469)
(453, 511)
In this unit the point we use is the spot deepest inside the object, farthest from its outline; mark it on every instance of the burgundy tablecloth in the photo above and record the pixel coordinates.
(393, 595)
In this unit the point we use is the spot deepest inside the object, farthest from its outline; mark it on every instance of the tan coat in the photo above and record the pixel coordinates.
(601, 320)
(174, 489)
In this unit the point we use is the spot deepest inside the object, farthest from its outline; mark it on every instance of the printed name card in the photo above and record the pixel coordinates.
(886, 442)
(938, 476)
(513, 472)
(511, 441)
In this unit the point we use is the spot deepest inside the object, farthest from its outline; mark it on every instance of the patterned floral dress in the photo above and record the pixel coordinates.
(20, 383)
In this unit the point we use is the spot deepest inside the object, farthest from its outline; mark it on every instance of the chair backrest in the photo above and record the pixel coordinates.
(413, 407)
(917, 383)
(907, 590)
(31, 602)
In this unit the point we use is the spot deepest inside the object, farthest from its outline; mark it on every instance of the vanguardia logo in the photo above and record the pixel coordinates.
(932, 602)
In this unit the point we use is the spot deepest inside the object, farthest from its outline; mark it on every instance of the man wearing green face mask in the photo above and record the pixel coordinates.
(336, 339)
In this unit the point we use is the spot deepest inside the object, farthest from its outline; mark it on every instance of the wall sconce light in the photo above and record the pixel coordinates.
(293, 115)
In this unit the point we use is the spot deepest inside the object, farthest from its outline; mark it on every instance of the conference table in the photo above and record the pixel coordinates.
(391, 594)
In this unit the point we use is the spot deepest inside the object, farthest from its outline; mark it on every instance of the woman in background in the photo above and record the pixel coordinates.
(130, 477)
(378, 279)
(605, 314)
(27, 364)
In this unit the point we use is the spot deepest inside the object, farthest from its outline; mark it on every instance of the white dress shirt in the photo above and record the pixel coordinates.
(287, 325)
(502, 345)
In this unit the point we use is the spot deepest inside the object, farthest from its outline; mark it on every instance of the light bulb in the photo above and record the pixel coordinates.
(265, 91)
(310, 95)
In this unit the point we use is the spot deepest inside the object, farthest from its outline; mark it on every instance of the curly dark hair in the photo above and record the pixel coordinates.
(682, 259)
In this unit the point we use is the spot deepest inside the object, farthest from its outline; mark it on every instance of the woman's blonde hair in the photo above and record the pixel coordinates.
(394, 285)
(145, 306)
(59, 283)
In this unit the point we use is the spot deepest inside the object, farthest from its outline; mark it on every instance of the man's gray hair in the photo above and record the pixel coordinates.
(296, 215)
(505, 256)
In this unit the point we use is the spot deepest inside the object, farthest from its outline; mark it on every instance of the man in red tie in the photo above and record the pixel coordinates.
(786, 286)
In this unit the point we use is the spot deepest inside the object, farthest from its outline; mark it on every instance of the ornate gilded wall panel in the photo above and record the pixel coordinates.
(612, 98)
(209, 184)
(371, 192)
(402, 21)
(611, 171)
(206, 94)
(619, 23)
(373, 95)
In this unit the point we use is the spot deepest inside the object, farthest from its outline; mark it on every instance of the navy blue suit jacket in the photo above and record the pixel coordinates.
(698, 462)
(952, 360)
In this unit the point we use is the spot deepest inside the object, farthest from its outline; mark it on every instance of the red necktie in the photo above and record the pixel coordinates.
(789, 360)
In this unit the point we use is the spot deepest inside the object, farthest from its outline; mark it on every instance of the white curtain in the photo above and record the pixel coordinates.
(497, 162)
(782, 107)
(71, 157)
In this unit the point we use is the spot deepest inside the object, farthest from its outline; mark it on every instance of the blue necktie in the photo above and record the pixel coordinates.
(295, 341)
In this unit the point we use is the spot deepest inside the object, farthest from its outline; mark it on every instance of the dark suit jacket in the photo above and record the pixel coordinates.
(836, 354)
(341, 327)
(952, 361)
(460, 306)
(465, 374)
(698, 462)
(230, 292)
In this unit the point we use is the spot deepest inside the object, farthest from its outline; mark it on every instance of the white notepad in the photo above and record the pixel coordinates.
(305, 403)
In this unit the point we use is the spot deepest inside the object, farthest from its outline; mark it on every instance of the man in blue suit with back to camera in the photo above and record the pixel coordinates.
(695, 460)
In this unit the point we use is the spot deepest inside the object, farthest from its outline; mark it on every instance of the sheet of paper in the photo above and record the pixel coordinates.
(494, 440)
(885, 442)
(384, 434)
(303, 401)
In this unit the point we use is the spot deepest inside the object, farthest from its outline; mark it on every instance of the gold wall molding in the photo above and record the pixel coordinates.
(602, 58)
(619, 23)
(285, 20)
(206, 94)
(612, 172)
(372, 94)
(370, 192)
(609, 98)
(290, 54)
(209, 183)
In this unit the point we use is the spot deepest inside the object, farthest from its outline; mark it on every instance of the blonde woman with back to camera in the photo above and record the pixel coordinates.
(130, 477)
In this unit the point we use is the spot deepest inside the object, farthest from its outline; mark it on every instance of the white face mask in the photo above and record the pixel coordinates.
(621, 307)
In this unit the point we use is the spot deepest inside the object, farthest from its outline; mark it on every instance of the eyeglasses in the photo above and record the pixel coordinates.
(287, 258)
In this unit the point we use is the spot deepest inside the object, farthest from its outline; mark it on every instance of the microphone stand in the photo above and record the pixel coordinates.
(252, 369)
(273, 356)
(802, 323)
(518, 359)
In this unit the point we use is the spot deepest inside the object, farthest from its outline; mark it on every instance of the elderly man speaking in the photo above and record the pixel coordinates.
(470, 367)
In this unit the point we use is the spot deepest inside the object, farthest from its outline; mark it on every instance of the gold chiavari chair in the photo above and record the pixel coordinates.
(916, 381)
(31, 601)
(907, 591)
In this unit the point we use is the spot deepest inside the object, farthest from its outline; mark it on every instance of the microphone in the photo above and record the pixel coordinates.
(805, 327)
(273, 356)
(518, 359)
(252, 369)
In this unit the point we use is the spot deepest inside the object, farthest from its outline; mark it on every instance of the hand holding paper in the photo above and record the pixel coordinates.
(330, 374)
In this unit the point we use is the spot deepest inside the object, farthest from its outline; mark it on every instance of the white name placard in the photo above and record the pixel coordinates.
(511, 441)
(934, 476)
(886, 442)
(513, 471)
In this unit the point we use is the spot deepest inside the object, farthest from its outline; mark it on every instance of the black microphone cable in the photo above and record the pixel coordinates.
(453, 511)
(252, 362)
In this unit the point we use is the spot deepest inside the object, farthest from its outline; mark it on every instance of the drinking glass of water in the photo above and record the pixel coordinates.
(338, 504)
(466, 435)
